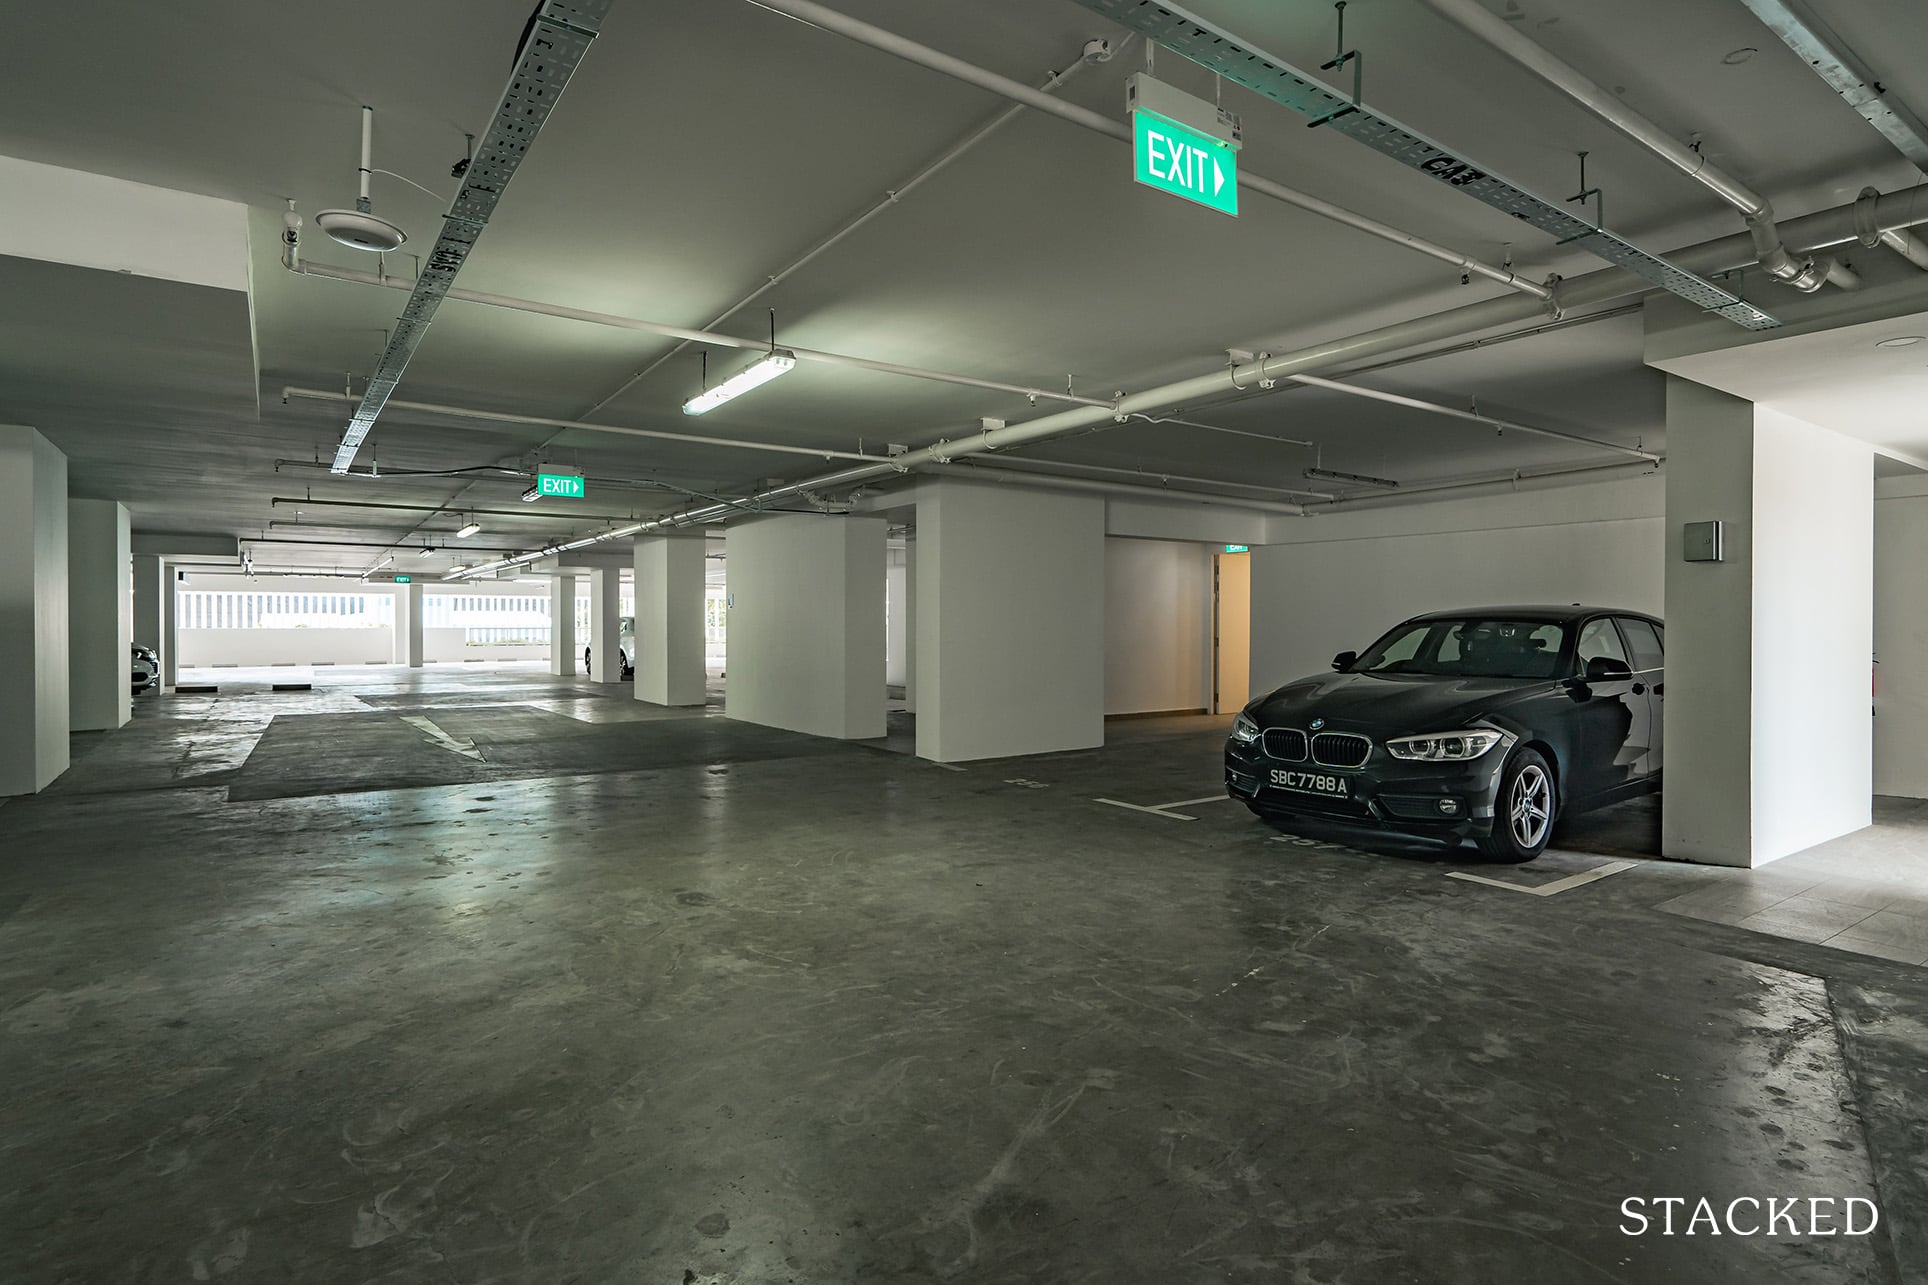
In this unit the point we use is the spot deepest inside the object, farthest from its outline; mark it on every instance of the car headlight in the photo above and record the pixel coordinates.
(1444, 747)
(1244, 730)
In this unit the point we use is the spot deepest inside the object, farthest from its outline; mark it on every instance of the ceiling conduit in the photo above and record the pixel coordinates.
(558, 37)
(1807, 275)
(877, 38)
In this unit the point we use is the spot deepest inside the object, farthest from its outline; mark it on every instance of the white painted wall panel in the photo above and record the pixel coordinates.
(1813, 641)
(1314, 598)
(1901, 645)
(1158, 626)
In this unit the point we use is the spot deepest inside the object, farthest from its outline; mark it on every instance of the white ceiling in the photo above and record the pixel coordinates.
(705, 143)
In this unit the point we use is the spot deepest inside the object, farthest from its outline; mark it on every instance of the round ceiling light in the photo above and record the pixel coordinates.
(1735, 57)
(1899, 341)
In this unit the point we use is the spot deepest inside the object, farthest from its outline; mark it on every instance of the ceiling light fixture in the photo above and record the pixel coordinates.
(428, 551)
(531, 495)
(1899, 341)
(359, 227)
(755, 375)
(468, 530)
(1334, 475)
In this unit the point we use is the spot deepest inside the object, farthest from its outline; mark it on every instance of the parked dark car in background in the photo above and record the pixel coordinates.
(145, 669)
(1486, 724)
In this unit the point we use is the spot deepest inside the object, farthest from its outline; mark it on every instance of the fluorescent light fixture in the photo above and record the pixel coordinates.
(455, 570)
(1360, 479)
(428, 551)
(755, 375)
(468, 530)
(531, 495)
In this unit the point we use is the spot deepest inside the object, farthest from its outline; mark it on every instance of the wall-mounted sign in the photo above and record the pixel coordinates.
(404, 579)
(568, 486)
(1238, 548)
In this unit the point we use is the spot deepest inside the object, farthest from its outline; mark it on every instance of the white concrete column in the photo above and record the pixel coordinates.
(34, 655)
(170, 623)
(910, 623)
(1767, 709)
(894, 618)
(669, 620)
(100, 615)
(150, 592)
(1010, 621)
(605, 617)
(562, 626)
(807, 627)
(410, 603)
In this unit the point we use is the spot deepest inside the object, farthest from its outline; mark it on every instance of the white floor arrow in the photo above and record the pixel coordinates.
(466, 747)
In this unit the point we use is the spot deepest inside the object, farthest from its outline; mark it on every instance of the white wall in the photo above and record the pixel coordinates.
(1158, 626)
(1813, 634)
(895, 613)
(1337, 581)
(100, 604)
(670, 594)
(1010, 621)
(34, 655)
(806, 632)
(1901, 645)
(205, 648)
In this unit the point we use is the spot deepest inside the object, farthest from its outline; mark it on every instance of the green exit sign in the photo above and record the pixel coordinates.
(1238, 548)
(1178, 159)
(404, 579)
(566, 485)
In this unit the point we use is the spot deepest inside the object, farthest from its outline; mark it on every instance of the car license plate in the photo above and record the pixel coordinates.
(1310, 782)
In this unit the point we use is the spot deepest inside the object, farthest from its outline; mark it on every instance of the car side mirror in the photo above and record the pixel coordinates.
(1344, 660)
(1607, 669)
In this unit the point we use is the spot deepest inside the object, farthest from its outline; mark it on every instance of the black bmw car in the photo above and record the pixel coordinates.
(1485, 725)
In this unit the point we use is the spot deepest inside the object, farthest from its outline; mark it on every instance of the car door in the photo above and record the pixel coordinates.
(1647, 647)
(1615, 722)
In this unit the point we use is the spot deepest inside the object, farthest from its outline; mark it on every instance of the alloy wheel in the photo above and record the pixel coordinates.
(1530, 806)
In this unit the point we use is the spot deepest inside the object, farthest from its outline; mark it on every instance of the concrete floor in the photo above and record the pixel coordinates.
(564, 988)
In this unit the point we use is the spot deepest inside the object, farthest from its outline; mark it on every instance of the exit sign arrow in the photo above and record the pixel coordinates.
(1180, 160)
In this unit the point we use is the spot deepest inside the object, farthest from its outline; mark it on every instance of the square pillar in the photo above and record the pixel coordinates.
(170, 622)
(150, 592)
(669, 620)
(910, 623)
(806, 633)
(100, 615)
(605, 625)
(1010, 621)
(1768, 732)
(562, 626)
(408, 625)
(34, 656)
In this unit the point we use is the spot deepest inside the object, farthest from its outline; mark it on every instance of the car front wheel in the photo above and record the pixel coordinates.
(1524, 811)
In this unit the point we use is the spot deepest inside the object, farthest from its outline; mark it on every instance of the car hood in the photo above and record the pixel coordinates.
(1391, 704)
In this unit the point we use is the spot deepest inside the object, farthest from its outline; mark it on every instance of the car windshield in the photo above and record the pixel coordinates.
(1473, 647)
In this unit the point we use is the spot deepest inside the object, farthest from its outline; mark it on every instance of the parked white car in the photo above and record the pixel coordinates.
(625, 648)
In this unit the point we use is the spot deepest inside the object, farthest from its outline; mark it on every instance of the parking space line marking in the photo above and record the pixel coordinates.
(1220, 797)
(1548, 889)
(1157, 812)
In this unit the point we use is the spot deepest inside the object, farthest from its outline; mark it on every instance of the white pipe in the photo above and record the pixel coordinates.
(890, 198)
(570, 425)
(367, 154)
(1908, 246)
(992, 473)
(1147, 476)
(1491, 486)
(1493, 421)
(1803, 275)
(888, 42)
